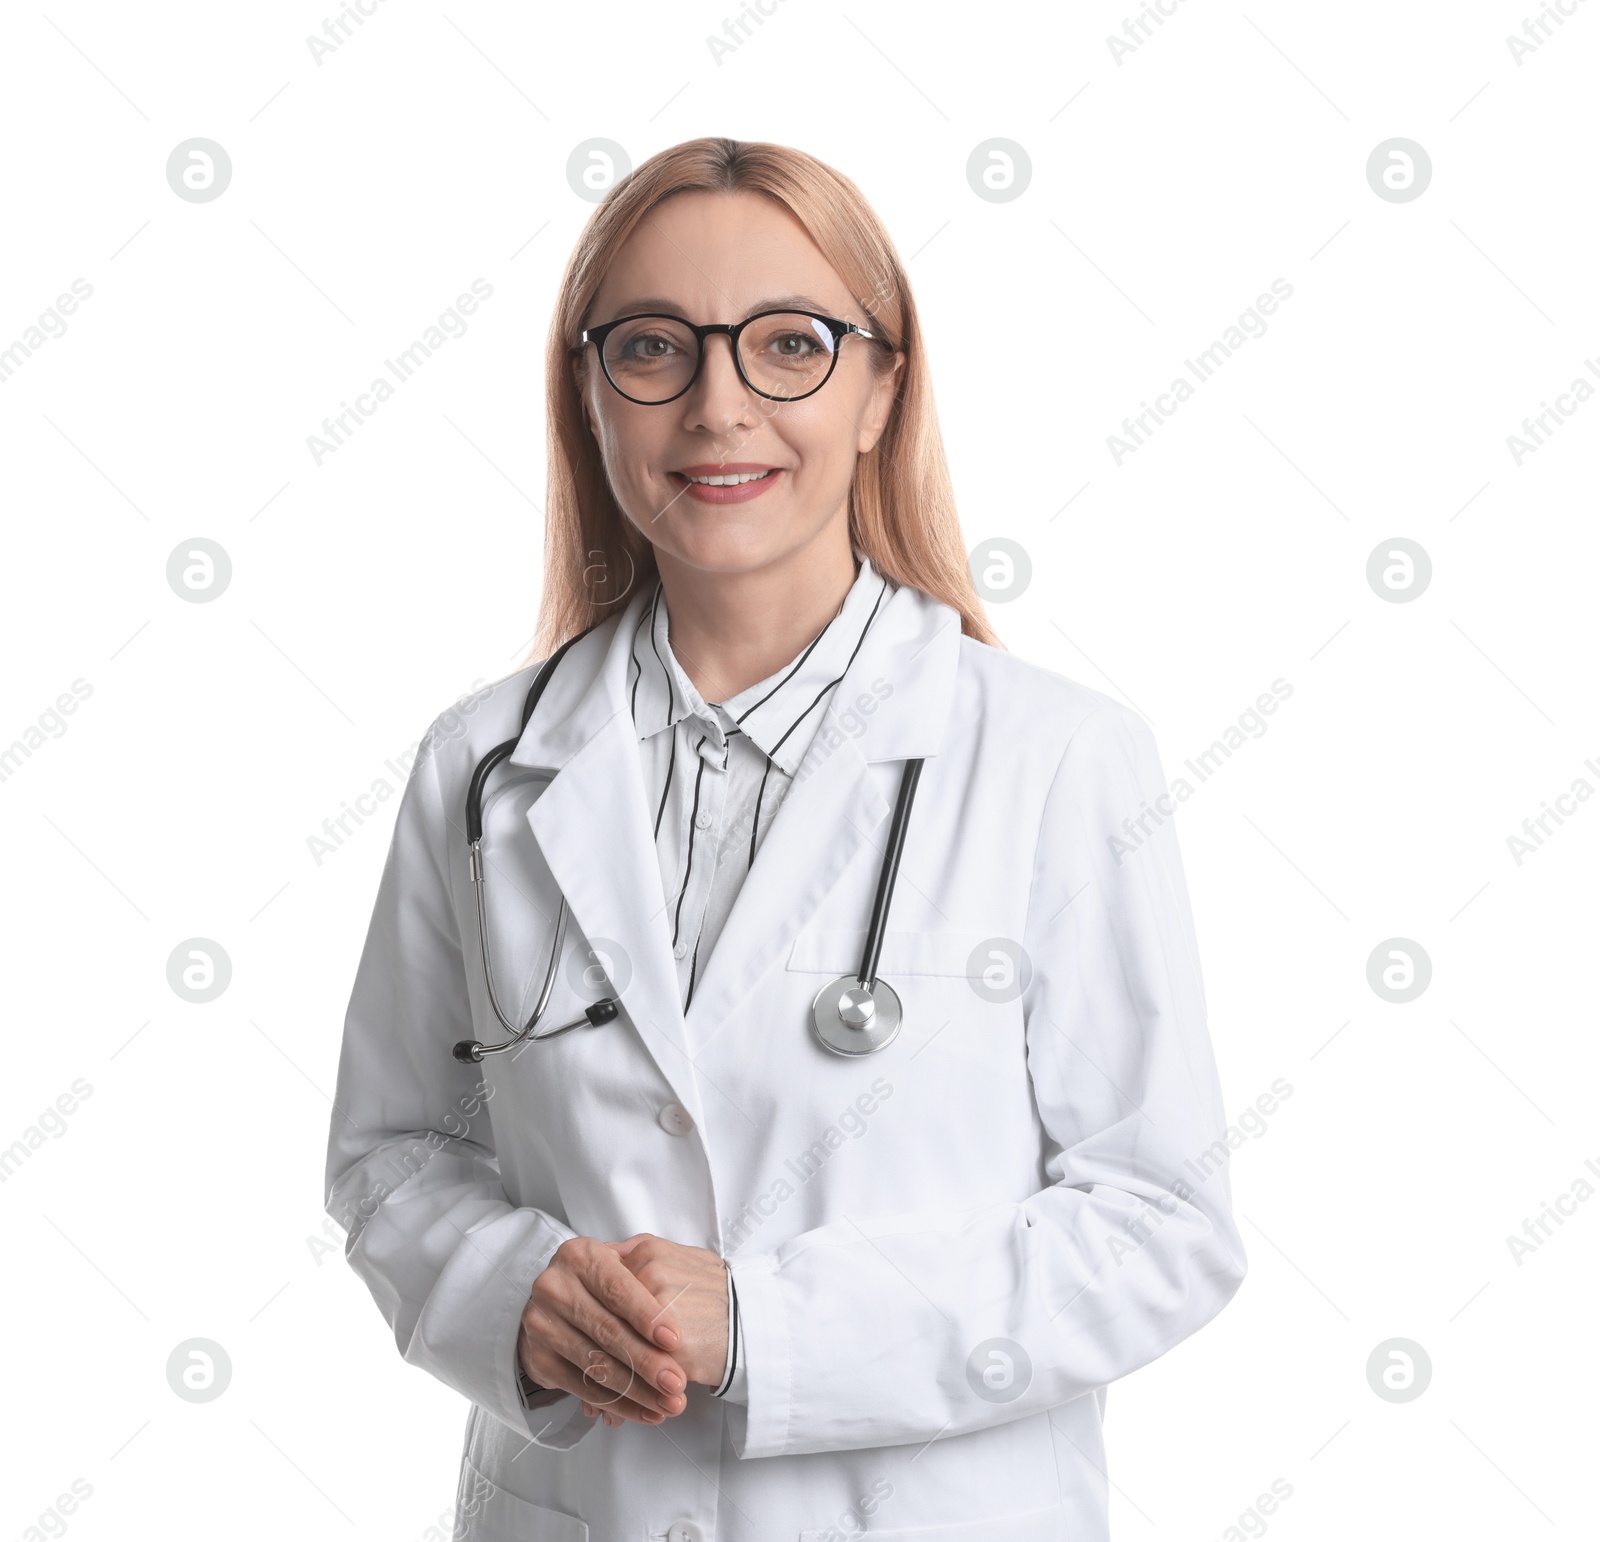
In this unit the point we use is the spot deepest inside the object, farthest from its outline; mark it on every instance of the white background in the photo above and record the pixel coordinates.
(1229, 149)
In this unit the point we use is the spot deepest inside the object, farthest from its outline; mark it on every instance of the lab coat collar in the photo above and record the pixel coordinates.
(911, 648)
(779, 714)
(595, 830)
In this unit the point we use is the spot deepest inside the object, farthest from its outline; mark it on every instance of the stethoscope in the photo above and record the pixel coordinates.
(853, 1015)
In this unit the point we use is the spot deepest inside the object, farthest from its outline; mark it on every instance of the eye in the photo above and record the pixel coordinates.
(791, 341)
(647, 346)
(793, 345)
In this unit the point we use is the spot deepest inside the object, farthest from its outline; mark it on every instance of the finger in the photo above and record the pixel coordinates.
(599, 1269)
(625, 1412)
(629, 1412)
(655, 1376)
(596, 1402)
(661, 1371)
(613, 1285)
(611, 1418)
(610, 1282)
(564, 1292)
(558, 1354)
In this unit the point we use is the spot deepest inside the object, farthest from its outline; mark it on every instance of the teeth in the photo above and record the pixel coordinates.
(731, 481)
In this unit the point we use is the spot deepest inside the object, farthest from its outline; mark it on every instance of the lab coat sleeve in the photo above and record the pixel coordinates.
(411, 1171)
(898, 1328)
(734, 1386)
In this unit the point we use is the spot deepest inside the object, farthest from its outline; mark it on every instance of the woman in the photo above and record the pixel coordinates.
(703, 1271)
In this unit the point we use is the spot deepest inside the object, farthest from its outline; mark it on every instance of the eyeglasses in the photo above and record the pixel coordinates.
(781, 355)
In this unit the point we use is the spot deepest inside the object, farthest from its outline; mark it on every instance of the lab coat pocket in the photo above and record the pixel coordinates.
(1048, 1525)
(485, 1512)
(826, 951)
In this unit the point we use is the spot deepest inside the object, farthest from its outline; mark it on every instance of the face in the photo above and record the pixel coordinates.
(719, 257)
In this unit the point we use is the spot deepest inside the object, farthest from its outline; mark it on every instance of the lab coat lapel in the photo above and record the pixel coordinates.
(593, 827)
(819, 831)
(839, 803)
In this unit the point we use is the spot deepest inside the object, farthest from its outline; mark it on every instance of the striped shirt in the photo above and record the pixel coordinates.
(715, 774)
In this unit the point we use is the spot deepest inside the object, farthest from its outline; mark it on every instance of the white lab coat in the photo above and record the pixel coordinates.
(943, 1251)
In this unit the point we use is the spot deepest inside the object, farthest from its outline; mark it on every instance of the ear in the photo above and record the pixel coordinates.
(879, 405)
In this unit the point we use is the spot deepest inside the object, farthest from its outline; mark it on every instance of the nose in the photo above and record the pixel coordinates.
(719, 399)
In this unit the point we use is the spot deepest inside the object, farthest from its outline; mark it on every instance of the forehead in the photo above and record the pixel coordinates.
(718, 256)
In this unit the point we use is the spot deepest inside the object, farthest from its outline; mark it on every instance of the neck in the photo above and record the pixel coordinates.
(731, 630)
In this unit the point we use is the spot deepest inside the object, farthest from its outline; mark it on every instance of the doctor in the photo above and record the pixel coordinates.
(702, 1273)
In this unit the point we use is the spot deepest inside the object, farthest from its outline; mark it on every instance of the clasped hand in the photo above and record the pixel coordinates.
(625, 1326)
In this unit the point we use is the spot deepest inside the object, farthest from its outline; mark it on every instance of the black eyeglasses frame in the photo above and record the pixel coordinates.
(730, 330)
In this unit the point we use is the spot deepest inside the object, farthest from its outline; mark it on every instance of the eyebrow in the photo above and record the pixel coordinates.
(658, 306)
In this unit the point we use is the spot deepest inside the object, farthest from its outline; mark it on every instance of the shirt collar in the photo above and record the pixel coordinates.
(779, 714)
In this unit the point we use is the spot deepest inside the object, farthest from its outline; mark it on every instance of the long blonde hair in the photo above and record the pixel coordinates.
(902, 507)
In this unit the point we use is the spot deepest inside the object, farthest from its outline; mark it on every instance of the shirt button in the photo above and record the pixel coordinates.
(685, 1531)
(702, 820)
(675, 1120)
(680, 950)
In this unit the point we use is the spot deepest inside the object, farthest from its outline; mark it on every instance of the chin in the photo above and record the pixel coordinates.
(729, 551)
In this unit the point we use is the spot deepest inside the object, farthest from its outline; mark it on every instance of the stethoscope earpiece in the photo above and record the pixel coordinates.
(468, 1051)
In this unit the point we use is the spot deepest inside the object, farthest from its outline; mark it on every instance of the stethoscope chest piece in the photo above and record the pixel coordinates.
(855, 1015)
(850, 1020)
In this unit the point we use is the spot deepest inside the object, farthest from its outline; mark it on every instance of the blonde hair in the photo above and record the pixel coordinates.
(902, 507)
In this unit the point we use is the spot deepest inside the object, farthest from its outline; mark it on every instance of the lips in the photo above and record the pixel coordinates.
(721, 475)
(732, 482)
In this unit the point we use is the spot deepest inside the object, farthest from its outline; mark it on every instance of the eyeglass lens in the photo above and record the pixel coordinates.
(786, 354)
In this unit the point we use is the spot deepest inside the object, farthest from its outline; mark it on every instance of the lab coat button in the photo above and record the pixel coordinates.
(685, 1531)
(675, 1120)
(702, 820)
(680, 950)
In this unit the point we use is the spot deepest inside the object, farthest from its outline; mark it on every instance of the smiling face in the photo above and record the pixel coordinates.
(779, 471)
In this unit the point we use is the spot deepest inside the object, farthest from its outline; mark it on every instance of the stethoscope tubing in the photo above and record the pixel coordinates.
(471, 1050)
(606, 1009)
(867, 975)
